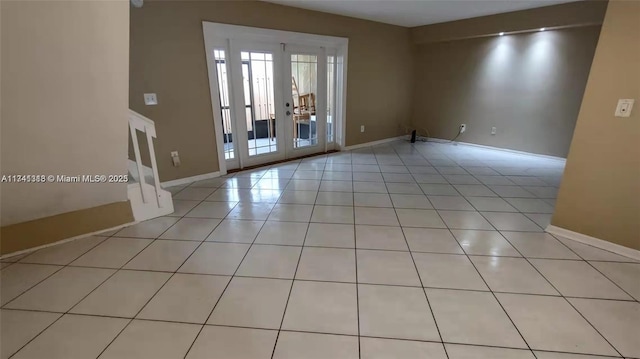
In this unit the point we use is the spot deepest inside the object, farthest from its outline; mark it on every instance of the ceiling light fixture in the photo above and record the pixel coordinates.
(543, 28)
(501, 34)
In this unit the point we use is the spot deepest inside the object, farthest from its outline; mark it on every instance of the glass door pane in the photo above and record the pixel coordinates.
(225, 106)
(331, 97)
(258, 87)
(304, 91)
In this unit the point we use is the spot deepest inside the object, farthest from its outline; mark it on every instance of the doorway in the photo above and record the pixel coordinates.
(275, 94)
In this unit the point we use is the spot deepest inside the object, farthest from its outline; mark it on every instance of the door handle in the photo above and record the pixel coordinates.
(288, 113)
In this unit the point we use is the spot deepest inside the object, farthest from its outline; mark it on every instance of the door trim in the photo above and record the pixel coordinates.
(217, 35)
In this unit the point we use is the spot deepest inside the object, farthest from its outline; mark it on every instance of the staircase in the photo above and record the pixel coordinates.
(148, 199)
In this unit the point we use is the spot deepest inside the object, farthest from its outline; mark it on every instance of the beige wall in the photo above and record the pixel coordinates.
(64, 103)
(600, 191)
(167, 57)
(529, 86)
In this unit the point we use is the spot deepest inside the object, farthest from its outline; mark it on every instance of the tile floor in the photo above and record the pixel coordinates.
(397, 251)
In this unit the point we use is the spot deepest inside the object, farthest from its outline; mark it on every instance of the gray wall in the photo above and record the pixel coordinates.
(529, 86)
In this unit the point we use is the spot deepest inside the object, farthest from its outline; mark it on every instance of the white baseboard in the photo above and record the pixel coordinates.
(595, 242)
(439, 140)
(373, 143)
(29, 250)
(188, 180)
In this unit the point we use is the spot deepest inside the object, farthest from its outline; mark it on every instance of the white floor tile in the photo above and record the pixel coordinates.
(395, 312)
(211, 210)
(48, 296)
(617, 321)
(224, 343)
(550, 323)
(298, 197)
(291, 213)
(334, 199)
(386, 267)
(63, 254)
(151, 339)
(270, 261)
(476, 242)
(450, 203)
(418, 201)
(327, 264)
(464, 220)
(74, 336)
(236, 231)
(425, 218)
(293, 345)
(539, 245)
(514, 275)
(19, 327)
(377, 348)
(380, 237)
(625, 275)
(403, 188)
(112, 253)
(122, 295)
(191, 229)
(578, 279)
(163, 255)
(330, 235)
(448, 271)
(376, 216)
(472, 318)
(187, 298)
(250, 210)
(431, 240)
(332, 214)
(457, 351)
(215, 258)
(322, 307)
(504, 221)
(491, 204)
(152, 228)
(372, 200)
(18, 278)
(252, 302)
(287, 233)
(590, 253)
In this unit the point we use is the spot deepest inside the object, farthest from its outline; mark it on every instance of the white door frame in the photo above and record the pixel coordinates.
(218, 36)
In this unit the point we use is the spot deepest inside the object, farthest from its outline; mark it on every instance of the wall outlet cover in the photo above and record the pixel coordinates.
(624, 107)
(150, 99)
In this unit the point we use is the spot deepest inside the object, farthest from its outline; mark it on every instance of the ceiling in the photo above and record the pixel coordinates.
(412, 13)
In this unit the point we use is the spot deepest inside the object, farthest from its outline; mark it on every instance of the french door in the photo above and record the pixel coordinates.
(272, 99)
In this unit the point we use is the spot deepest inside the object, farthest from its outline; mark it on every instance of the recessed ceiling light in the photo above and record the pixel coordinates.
(542, 29)
(501, 34)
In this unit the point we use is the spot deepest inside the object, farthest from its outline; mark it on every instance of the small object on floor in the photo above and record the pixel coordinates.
(413, 136)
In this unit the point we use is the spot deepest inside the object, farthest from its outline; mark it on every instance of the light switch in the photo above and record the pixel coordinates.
(624, 107)
(150, 99)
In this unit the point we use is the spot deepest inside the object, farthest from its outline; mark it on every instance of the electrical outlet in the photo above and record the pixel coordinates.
(362, 128)
(624, 107)
(150, 99)
(493, 130)
(463, 127)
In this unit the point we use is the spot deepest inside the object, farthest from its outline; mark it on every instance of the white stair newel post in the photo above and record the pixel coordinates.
(154, 166)
(136, 150)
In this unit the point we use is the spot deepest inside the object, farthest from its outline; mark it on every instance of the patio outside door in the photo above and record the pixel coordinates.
(271, 98)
